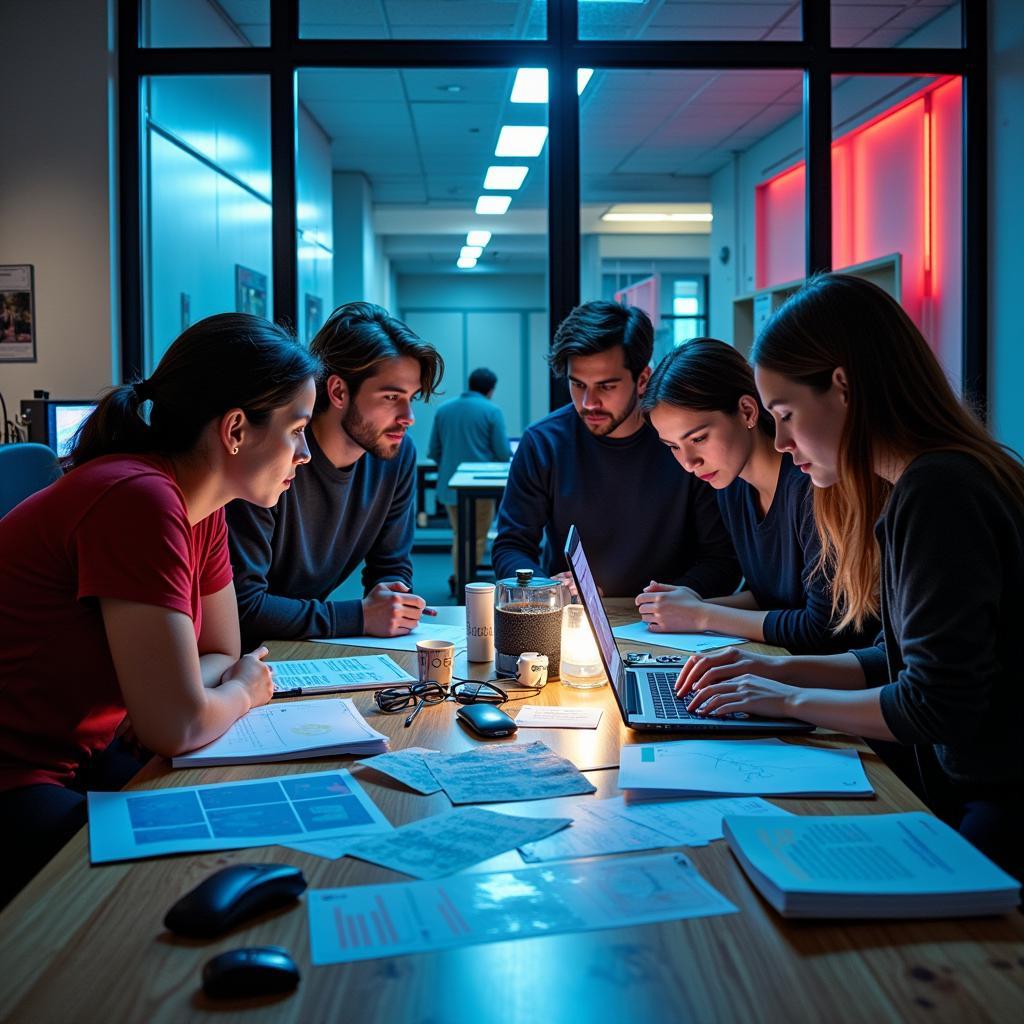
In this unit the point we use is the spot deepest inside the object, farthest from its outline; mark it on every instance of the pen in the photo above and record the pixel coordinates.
(297, 692)
(429, 611)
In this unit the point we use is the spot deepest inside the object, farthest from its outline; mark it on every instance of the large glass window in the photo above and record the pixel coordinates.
(204, 23)
(207, 202)
(436, 187)
(896, 23)
(749, 20)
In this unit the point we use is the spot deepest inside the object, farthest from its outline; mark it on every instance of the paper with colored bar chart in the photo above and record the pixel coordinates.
(371, 921)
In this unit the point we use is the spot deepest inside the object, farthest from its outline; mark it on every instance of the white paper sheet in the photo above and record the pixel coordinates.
(692, 643)
(693, 822)
(367, 922)
(445, 843)
(408, 767)
(325, 675)
(424, 631)
(513, 771)
(740, 768)
(230, 816)
(288, 731)
(329, 849)
(540, 716)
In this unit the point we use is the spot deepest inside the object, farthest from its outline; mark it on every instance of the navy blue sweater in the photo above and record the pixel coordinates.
(948, 658)
(287, 559)
(778, 555)
(639, 515)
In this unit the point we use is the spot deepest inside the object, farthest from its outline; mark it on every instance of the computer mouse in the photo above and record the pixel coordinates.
(486, 720)
(256, 971)
(232, 895)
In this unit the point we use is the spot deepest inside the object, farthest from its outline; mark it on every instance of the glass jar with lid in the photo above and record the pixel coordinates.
(527, 617)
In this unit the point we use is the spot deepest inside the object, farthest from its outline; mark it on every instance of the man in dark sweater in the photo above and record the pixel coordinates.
(597, 463)
(353, 503)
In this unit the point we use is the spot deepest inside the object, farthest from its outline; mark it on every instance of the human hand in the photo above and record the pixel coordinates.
(390, 609)
(747, 693)
(256, 677)
(703, 669)
(668, 609)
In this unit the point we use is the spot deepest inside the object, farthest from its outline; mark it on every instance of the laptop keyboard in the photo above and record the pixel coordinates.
(670, 707)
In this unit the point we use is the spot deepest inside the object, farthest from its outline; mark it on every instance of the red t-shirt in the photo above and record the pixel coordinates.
(116, 527)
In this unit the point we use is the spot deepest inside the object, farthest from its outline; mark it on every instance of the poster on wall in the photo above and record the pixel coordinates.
(314, 315)
(250, 291)
(17, 314)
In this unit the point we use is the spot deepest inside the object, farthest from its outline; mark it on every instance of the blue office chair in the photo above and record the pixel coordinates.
(25, 469)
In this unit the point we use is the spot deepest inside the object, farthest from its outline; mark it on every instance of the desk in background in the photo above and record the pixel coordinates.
(473, 481)
(87, 944)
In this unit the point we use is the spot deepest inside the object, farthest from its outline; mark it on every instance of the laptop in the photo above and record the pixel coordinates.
(646, 696)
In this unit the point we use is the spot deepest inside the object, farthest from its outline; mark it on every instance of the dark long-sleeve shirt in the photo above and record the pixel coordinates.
(948, 657)
(778, 555)
(287, 559)
(639, 515)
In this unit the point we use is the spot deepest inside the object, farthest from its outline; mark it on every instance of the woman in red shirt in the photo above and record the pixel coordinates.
(116, 594)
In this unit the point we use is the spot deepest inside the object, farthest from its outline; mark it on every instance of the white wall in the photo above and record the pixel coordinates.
(56, 190)
(1006, 220)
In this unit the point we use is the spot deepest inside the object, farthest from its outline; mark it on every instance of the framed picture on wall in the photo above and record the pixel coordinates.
(250, 291)
(17, 314)
(314, 315)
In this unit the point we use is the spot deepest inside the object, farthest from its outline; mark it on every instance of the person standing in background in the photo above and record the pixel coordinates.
(469, 428)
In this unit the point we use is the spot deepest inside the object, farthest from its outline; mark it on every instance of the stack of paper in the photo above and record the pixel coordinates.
(651, 771)
(871, 865)
(332, 675)
(286, 732)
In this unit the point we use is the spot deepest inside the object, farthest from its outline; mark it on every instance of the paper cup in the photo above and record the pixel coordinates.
(434, 661)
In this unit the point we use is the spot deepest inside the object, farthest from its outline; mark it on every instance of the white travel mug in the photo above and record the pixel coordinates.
(532, 669)
(480, 622)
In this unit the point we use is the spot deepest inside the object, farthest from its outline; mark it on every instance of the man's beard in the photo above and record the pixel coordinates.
(367, 437)
(605, 427)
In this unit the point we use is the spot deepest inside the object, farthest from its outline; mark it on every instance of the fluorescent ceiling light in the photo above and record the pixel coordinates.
(480, 238)
(648, 218)
(521, 140)
(506, 177)
(531, 84)
(493, 204)
(465, 263)
(471, 252)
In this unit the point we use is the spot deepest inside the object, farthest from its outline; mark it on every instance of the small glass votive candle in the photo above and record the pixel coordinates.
(580, 663)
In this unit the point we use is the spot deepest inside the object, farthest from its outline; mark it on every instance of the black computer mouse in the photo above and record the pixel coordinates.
(233, 895)
(486, 720)
(257, 971)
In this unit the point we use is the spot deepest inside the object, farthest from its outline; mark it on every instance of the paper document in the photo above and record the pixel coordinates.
(868, 865)
(332, 675)
(408, 767)
(445, 843)
(288, 731)
(692, 643)
(371, 921)
(694, 822)
(230, 816)
(329, 849)
(539, 716)
(514, 771)
(738, 768)
(424, 631)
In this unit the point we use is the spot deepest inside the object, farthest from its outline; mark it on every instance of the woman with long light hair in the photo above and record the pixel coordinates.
(920, 513)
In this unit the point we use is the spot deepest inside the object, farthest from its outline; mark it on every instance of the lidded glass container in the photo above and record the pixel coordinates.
(527, 617)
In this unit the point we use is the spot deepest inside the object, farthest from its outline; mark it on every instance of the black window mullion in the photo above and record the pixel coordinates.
(284, 21)
(129, 169)
(818, 138)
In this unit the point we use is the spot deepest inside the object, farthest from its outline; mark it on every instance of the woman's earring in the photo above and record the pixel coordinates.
(234, 451)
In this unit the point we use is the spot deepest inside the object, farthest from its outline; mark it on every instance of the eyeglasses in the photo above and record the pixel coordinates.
(398, 698)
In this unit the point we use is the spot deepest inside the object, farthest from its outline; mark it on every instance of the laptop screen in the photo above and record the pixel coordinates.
(587, 589)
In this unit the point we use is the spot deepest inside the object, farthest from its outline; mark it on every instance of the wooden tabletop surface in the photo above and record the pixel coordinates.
(84, 943)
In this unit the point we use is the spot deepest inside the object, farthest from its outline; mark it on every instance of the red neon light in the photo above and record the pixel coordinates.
(928, 176)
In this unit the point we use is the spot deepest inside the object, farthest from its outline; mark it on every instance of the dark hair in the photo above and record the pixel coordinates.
(483, 380)
(598, 326)
(358, 337)
(227, 361)
(708, 375)
(899, 401)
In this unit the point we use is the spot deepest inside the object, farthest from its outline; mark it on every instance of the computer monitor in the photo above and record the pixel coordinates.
(55, 421)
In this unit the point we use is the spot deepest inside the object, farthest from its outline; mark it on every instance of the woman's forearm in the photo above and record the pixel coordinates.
(744, 599)
(857, 713)
(825, 671)
(213, 666)
(733, 621)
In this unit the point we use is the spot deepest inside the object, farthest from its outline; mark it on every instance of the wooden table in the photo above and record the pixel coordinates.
(84, 944)
(472, 482)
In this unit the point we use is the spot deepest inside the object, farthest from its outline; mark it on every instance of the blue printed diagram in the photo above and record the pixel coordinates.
(279, 807)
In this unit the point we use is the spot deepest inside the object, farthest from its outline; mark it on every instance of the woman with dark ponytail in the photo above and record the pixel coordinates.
(116, 594)
(702, 401)
(909, 485)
